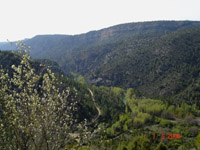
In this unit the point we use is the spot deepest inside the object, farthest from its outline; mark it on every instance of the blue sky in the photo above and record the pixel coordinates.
(26, 18)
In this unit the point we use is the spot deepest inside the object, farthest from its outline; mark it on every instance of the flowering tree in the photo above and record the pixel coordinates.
(34, 113)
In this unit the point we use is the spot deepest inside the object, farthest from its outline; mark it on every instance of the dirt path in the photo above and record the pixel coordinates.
(98, 109)
(74, 135)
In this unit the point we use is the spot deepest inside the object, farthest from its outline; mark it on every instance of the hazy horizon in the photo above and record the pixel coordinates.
(26, 19)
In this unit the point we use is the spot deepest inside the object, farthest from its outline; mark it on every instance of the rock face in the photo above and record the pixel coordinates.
(157, 58)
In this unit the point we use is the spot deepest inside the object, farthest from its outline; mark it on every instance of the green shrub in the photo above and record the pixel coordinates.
(193, 131)
(166, 123)
(141, 119)
(140, 143)
(167, 115)
(161, 146)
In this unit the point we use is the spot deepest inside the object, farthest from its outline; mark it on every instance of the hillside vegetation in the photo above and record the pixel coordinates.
(159, 59)
(131, 86)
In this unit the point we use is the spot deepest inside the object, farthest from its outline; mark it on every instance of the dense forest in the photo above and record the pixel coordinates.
(131, 86)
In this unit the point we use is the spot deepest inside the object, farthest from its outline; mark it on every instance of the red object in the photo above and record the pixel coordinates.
(163, 136)
(170, 136)
(174, 136)
(178, 136)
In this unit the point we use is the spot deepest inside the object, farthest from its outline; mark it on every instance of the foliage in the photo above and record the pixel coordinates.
(141, 119)
(110, 102)
(167, 115)
(157, 64)
(191, 121)
(161, 146)
(35, 114)
(197, 142)
(159, 59)
(153, 107)
(193, 131)
(140, 143)
(166, 123)
(184, 110)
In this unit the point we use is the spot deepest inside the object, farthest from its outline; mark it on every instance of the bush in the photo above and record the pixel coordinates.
(197, 142)
(167, 115)
(36, 114)
(193, 131)
(161, 146)
(110, 132)
(166, 123)
(191, 121)
(140, 143)
(141, 119)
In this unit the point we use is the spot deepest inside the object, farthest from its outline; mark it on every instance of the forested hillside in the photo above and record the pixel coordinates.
(159, 59)
(41, 108)
(7, 59)
(159, 65)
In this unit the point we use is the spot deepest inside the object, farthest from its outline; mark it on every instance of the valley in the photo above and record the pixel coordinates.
(130, 86)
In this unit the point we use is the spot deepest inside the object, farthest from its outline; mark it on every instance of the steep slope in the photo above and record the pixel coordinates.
(159, 65)
(156, 65)
(73, 43)
(157, 58)
(39, 44)
(8, 58)
(54, 46)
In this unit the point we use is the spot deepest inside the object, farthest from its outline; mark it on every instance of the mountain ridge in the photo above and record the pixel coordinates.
(152, 57)
(128, 27)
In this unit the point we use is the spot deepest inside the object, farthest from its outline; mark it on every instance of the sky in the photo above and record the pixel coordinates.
(21, 19)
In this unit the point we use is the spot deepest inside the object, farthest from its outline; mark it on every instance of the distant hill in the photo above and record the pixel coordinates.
(159, 59)
(46, 46)
(38, 44)
(6, 46)
(57, 46)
